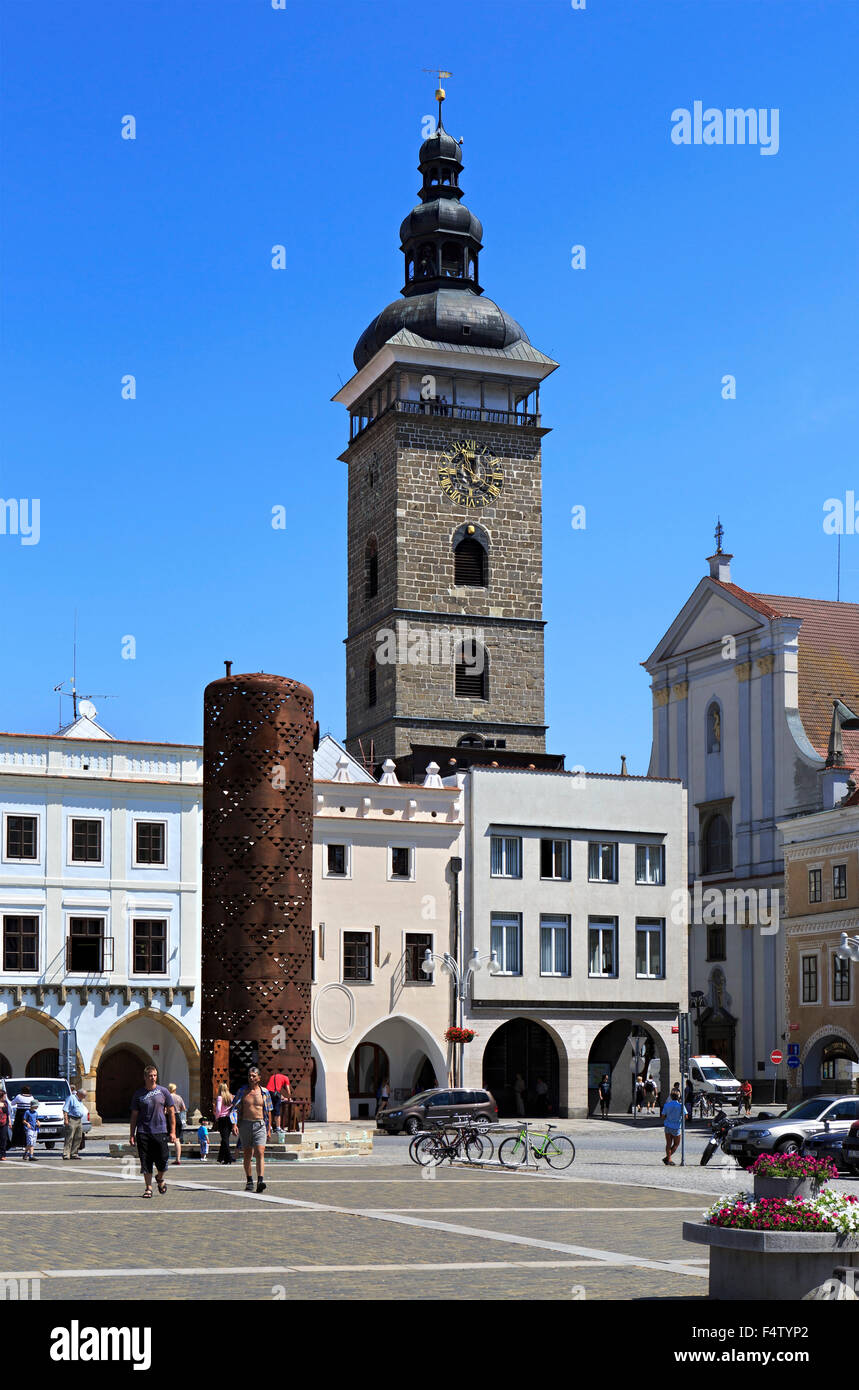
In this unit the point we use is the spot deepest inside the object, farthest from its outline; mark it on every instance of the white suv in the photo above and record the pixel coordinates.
(51, 1092)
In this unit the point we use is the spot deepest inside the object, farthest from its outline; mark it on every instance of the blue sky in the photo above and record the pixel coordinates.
(258, 126)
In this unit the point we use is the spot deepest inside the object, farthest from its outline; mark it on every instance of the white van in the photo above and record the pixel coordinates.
(51, 1092)
(710, 1075)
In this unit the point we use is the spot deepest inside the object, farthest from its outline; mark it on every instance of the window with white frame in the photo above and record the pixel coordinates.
(506, 941)
(650, 948)
(650, 864)
(554, 944)
(815, 885)
(150, 842)
(602, 947)
(149, 946)
(808, 976)
(85, 841)
(839, 880)
(602, 862)
(506, 856)
(356, 956)
(22, 837)
(415, 947)
(20, 942)
(555, 859)
(337, 863)
(402, 862)
(840, 980)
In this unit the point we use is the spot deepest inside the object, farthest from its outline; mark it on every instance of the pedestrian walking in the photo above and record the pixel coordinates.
(251, 1120)
(672, 1116)
(223, 1106)
(604, 1092)
(5, 1123)
(383, 1095)
(519, 1093)
(31, 1131)
(73, 1131)
(689, 1099)
(639, 1093)
(746, 1097)
(153, 1126)
(21, 1104)
(650, 1094)
(274, 1086)
(203, 1136)
(181, 1111)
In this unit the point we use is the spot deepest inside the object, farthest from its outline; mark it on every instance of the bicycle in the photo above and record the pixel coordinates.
(558, 1150)
(706, 1104)
(452, 1140)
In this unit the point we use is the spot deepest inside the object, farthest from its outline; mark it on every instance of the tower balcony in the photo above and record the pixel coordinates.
(529, 419)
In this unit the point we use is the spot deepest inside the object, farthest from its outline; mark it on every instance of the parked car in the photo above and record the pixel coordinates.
(425, 1109)
(850, 1149)
(51, 1093)
(787, 1132)
(827, 1144)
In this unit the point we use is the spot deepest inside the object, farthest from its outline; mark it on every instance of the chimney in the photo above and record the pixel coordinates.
(720, 566)
(623, 771)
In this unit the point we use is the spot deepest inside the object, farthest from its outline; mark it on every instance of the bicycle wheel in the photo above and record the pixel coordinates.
(511, 1152)
(559, 1151)
(488, 1145)
(477, 1148)
(413, 1145)
(428, 1150)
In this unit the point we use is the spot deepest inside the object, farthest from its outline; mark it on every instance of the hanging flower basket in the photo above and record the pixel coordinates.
(459, 1035)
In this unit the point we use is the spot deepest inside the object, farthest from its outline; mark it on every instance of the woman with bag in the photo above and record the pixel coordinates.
(181, 1109)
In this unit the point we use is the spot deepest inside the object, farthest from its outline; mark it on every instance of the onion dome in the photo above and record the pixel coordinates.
(441, 241)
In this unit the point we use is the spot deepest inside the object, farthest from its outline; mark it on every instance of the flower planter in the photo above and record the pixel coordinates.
(763, 1266)
(784, 1187)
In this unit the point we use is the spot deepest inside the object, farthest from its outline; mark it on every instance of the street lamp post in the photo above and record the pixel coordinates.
(460, 976)
(696, 999)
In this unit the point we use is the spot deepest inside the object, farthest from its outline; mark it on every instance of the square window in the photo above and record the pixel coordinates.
(150, 946)
(356, 955)
(602, 862)
(555, 859)
(86, 841)
(401, 861)
(150, 841)
(22, 837)
(20, 943)
(650, 864)
(505, 856)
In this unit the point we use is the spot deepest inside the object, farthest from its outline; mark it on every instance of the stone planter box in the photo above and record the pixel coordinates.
(764, 1266)
(784, 1187)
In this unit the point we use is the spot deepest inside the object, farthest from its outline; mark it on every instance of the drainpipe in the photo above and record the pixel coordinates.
(456, 870)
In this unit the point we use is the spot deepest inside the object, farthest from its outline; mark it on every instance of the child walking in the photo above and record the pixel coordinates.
(203, 1136)
(31, 1132)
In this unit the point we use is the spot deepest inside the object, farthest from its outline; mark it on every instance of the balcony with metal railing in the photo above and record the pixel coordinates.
(476, 414)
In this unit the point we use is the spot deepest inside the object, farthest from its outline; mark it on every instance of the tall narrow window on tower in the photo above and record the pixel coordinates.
(469, 563)
(371, 568)
(371, 680)
(472, 671)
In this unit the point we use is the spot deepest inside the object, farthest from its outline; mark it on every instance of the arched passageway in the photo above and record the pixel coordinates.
(524, 1049)
(623, 1050)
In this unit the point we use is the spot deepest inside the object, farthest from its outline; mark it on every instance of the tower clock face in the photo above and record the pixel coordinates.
(470, 475)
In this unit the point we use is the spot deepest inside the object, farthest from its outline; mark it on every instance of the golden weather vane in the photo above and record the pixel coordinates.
(440, 94)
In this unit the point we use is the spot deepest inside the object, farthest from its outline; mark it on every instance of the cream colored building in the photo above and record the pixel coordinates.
(384, 874)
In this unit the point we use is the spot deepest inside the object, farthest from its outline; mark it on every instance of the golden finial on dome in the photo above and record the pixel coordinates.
(440, 92)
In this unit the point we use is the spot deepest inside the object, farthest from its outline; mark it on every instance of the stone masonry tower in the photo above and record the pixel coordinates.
(445, 621)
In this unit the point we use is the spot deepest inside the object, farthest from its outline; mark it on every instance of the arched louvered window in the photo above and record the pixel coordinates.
(371, 568)
(716, 846)
(471, 673)
(371, 681)
(469, 563)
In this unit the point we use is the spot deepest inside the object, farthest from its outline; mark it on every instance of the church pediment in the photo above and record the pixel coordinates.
(710, 614)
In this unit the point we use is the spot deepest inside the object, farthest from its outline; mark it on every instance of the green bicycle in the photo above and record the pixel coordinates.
(558, 1150)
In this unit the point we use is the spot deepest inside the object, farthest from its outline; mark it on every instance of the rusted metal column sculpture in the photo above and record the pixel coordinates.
(257, 845)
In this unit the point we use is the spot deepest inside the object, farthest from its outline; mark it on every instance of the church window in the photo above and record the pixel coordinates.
(471, 678)
(371, 568)
(426, 261)
(716, 941)
(714, 729)
(469, 563)
(451, 259)
(716, 846)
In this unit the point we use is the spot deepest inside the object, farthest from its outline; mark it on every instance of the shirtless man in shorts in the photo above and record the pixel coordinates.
(251, 1118)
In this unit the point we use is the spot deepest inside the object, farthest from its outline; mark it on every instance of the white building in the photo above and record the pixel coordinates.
(577, 883)
(100, 909)
(384, 862)
(744, 685)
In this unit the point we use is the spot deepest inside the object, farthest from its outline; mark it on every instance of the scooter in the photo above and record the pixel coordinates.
(722, 1125)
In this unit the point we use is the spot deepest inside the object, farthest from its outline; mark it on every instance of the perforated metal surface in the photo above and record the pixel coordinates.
(257, 846)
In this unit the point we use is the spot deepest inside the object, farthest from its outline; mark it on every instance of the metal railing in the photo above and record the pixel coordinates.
(477, 413)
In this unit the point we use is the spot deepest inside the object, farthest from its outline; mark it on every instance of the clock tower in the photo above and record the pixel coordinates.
(445, 618)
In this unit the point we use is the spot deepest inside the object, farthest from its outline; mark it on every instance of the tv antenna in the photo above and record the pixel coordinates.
(80, 703)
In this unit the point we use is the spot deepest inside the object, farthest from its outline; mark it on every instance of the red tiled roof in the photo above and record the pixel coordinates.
(828, 660)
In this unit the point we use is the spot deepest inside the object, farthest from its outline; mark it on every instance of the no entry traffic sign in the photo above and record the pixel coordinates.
(775, 1056)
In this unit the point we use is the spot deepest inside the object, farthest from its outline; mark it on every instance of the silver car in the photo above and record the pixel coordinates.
(785, 1133)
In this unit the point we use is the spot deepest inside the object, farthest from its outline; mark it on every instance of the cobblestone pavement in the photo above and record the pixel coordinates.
(362, 1228)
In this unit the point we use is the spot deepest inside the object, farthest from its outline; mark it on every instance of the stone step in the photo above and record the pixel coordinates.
(305, 1147)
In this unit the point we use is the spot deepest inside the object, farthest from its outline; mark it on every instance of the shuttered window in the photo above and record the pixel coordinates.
(471, 674)
(469, 563)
